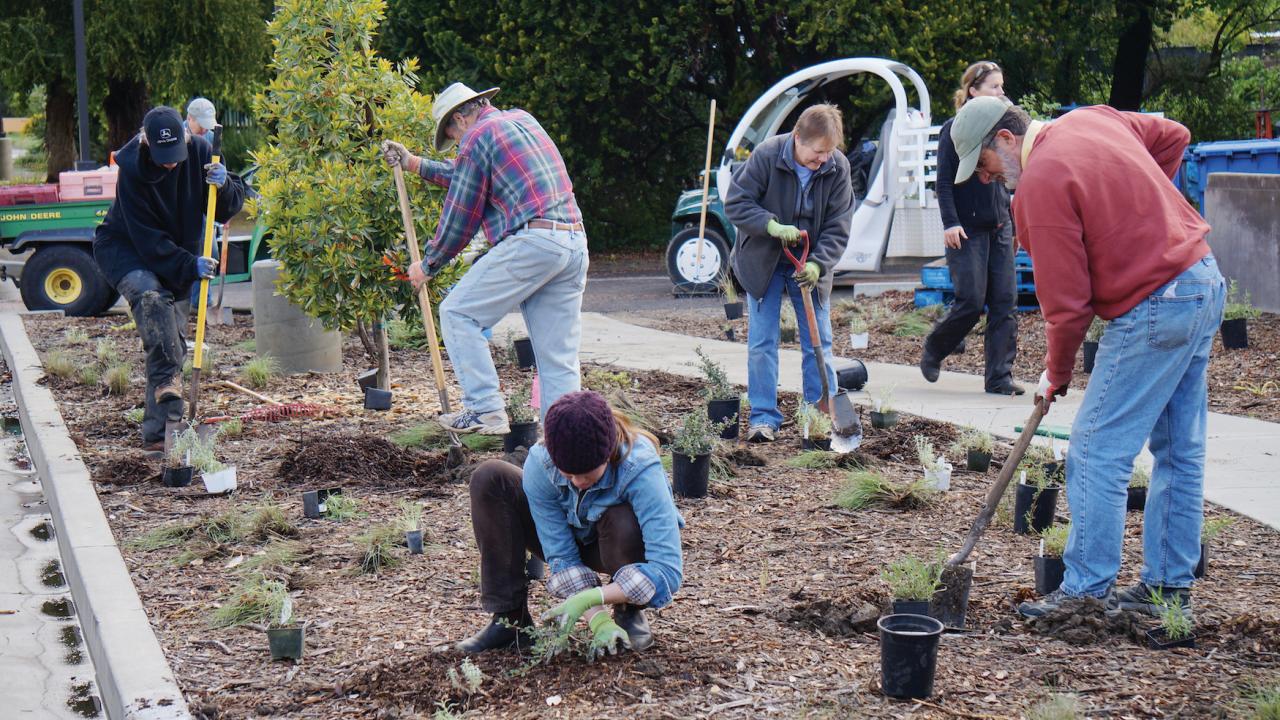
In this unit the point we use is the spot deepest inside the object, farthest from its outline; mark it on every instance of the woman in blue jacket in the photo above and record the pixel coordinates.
(592, 498)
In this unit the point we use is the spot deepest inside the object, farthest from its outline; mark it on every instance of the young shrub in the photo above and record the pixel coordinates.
(1053, 540)
(467, 679)
(1239, 305)
(377, 547)
(814, 424)
(518, 408)
(88, 375)
(257, 600)
(1213, 527)
(59, 364)
(865, 488)
(910, 578)
(718, 386)
(697, 434)
(403, 334)
(1032, 473)
(75, 336)
(183, 445)
(1141, 477)
(974, 439)
(259, 371)
(1097, 326)
(510, 357)
(1056, 707)
(341, 507)
(107, 352)
(787, 323)
(605, 382)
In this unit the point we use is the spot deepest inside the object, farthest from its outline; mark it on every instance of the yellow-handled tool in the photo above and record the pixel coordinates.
(197, 360)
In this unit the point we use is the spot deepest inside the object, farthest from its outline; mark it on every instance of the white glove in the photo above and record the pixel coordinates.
(1048, 391)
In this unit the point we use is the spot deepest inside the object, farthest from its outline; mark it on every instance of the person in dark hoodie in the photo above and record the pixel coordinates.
(979, 239)
(149, 247)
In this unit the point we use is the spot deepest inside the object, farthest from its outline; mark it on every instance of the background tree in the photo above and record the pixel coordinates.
(327, 194)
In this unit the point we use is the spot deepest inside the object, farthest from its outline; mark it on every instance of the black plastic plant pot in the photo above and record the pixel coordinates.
(1090, 354)
(722, 410)
(524, 353)
(375, 399)
(1056, 469)
(1040, 504)
(978, 461)
(522, 435)
(1158, 640)
(313, 501)
(1202, 567)
(177, 477)
(910, 607)
(689, 475)
(883, 420)
(286, 643)
(733, 311)
(852, 377)
(1049, 572)
(413, 538)
(1136, 500)
(367, 379)
(1235, 334)
(823, 444)
(908, 655)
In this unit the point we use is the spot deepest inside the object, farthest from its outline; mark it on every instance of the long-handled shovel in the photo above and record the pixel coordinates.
(845, 427)
(221, 315)
(456, 453)
(197, 360)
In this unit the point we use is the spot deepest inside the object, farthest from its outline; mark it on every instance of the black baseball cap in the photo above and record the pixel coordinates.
(166, 136)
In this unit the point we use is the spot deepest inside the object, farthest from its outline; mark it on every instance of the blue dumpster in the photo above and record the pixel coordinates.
(1237, 156)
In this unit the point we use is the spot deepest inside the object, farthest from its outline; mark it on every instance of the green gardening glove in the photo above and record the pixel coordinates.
(787, 234)
(566, 614)
(809, 276)
(606, 636)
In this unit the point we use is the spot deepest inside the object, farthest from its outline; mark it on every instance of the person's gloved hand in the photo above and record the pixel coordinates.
(206, 267)
(395, 154)
(606, 636)
(215, 174)
(808, 277)
(787, 234)
(1047, 391)
(566, 614)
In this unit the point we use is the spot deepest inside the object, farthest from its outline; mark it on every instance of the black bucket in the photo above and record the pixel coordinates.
(1049, 571)
(722, 410)
(1235, 334)
(524, 353)
(522, 435)
(733, 311)
(908, 655)
(1090, 354)
(689, 475)
(1042, 506)
(852, 376)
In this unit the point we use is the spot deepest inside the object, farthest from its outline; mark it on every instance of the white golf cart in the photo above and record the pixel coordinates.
(896, 182)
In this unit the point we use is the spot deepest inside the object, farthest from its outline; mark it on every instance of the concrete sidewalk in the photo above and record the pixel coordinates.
(1241, 470)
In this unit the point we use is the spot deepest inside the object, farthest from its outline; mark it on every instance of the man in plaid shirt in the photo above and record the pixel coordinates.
(508, 180)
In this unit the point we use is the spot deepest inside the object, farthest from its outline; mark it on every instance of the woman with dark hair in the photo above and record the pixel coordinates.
(979, 249)
(592, 498)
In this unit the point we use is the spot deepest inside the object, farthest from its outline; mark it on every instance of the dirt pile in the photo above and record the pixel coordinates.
(897, 444)
(359, 460)
(1084, 621)
(124, 469)
(834, 617)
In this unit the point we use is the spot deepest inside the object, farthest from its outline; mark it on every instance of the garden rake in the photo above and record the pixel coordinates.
(457, 454)
(274, 410)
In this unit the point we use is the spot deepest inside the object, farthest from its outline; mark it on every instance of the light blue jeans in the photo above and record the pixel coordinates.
(762, 347)
(1148, 382)
(544, 273)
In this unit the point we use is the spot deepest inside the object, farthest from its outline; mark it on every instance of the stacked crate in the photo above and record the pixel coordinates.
(939, 290)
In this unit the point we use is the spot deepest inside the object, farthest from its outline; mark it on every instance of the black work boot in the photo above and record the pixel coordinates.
(929, 366)
(498, 634)
(631, 619)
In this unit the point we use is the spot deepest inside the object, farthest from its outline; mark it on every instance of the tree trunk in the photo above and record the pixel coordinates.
(1129, 71)
(59, 129)
(384, 356)
(125, 105)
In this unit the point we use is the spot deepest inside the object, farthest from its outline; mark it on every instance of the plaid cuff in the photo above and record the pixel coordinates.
(572, 579)
(635, 584)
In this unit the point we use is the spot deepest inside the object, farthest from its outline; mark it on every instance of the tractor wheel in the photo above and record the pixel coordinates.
(690, 276)
(66, 278)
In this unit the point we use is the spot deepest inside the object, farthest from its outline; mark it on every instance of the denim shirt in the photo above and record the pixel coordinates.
(565, 517)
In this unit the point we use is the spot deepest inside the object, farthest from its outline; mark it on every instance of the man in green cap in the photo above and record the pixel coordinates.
(1109, 235)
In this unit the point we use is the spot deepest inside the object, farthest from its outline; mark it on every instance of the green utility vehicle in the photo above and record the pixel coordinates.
(56, 241)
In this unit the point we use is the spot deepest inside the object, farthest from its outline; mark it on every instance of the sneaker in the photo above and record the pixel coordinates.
(1143, 598)
(761, 433)
(1055, 599)
(469, 421)
(171, 390)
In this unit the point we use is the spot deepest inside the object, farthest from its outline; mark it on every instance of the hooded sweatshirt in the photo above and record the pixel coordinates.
(157, 220)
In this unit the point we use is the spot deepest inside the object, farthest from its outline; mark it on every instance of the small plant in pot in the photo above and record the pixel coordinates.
(411, 521)
(859, 333)
(1092, 337)
(1139, 480)
(523, 419)
(285, 637)
(691, 454)
(1208, 531)
(722, 399)
(1048, 564)
(883, 414)
(1235, 318)
(912, 582)
(815, 427)
(1176, 628)
(177, 468)
(976, 446)
(937, 471)
(732, 302)
(1035, 499)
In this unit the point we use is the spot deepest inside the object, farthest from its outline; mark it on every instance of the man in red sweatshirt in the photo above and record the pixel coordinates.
(1109, 235)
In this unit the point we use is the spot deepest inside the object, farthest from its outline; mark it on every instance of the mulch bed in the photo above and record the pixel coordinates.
(1238, 379)
(773, 618)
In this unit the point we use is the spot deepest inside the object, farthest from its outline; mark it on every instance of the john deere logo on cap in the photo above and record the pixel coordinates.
(166, 134)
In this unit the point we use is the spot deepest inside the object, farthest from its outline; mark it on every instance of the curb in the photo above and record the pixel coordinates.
(134, 678)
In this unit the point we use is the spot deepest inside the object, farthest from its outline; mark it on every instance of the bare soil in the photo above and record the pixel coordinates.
(1241, 382)
(774, 619)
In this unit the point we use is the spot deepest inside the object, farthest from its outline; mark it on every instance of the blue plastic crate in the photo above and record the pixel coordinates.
(936, 277)
(930, 296)
(1237, 156)
(1022, 259)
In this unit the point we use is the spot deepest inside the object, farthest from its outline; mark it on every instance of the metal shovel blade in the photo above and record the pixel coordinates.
(844, 417)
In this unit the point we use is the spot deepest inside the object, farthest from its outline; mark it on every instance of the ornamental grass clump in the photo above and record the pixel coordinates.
(107, 352)
(59, 364)
(916, 323)
(814, 424)
(865, 488)
(911, 578)
(258, 600)
(259, 371)
(377, 547)
(341, 507)
(426, 435)
(975, 440)
(117, 379)
(75, 336)
(1056, 707)
(1173, 617)
(88, 375)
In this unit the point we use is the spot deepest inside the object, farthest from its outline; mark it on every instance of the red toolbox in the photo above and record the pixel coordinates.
(87, 185)
(28, 194)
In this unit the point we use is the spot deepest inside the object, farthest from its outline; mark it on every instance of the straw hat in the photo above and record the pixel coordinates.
(448, 101)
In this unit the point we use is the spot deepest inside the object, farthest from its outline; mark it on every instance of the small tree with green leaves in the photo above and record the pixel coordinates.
(326, 192)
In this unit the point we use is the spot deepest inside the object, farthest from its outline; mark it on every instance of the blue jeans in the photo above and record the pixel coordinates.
(1148, 382)
(544, 273)
(762, 347)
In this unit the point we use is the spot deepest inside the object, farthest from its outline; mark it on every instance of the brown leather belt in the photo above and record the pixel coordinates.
(540, 224)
